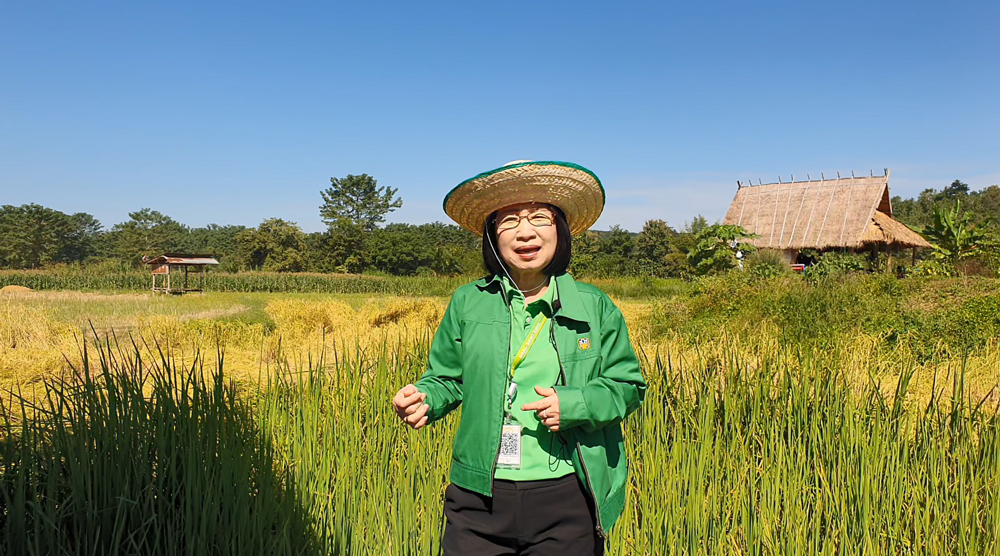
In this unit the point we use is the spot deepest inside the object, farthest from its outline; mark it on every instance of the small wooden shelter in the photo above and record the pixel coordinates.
(175, 269)
(844, 213)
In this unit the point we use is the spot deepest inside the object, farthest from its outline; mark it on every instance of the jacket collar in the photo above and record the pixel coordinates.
(568, 304)
(487, 281)
(549, 300)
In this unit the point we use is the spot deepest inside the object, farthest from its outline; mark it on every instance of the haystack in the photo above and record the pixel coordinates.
(15, 289)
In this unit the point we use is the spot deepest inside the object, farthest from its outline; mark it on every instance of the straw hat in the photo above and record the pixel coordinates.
(571, 187)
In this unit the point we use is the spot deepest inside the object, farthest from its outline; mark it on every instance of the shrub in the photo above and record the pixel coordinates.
(767, 263)
(834, 263)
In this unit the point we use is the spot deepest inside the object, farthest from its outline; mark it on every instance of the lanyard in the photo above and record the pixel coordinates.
(522, 353)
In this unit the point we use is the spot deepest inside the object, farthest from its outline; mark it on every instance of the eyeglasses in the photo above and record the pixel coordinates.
(538, 219)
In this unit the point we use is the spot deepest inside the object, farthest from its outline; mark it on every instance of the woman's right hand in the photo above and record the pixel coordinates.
(410, 406)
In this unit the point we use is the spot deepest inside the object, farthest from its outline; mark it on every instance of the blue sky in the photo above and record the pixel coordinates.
(232, 112)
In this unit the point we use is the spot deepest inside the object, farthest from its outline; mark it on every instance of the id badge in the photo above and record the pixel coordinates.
(510, 447)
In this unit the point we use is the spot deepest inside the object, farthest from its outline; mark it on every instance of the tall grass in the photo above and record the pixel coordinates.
(788, 458)
(140, 457)
(770, 452)
(372, 486)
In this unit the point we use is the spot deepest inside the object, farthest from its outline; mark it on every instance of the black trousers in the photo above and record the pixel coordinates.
(524, 518)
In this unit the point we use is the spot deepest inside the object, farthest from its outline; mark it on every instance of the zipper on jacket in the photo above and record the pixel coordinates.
(579, 449)
(510, 323)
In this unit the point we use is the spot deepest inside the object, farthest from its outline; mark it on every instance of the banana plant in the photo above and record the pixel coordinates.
(952, 234)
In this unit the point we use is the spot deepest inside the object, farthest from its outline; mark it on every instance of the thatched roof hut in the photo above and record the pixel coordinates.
(852, 213)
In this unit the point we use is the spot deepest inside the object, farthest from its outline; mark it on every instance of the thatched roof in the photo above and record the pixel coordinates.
(820, 214)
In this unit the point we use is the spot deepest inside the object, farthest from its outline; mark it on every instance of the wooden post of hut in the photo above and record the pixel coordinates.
(170, 263)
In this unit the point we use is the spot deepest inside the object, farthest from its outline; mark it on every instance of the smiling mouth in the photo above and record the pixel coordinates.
(527, 251)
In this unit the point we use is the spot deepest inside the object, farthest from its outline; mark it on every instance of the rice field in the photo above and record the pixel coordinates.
(246, 423)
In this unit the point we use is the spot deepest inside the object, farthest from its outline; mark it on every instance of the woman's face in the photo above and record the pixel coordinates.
(526, 237)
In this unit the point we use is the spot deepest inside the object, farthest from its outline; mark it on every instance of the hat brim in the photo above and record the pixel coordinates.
(574, 189)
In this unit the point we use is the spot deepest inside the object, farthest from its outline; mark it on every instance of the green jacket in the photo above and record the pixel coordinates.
(599, 385)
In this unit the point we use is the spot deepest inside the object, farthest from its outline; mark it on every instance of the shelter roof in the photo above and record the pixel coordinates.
(820, 214)
(182, 259)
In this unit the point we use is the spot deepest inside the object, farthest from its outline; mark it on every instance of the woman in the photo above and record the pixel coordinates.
(543, 369)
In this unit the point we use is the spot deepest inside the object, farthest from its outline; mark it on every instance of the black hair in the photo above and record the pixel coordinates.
(560, 261)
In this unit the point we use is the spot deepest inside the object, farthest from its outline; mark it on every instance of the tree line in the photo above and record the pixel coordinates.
(358, 240)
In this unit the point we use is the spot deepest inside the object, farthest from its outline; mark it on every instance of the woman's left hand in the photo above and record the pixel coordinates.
(547, 408)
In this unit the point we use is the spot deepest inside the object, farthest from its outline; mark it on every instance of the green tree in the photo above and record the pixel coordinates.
(459, 250)
(957, 190)
(696, 225)
(717, 246)
(318, 252)
(358, 200)
(33, 236)
(450, 234)
(345, 246)
(83, 240)
(685, 243)
(147, 233)
(905, 210)
(616, 255)
(586, 250)
(220, 242)
(988, 203)
(919, 212)
(989, 250)
(404, 249)
(657, 251)
(275, 246)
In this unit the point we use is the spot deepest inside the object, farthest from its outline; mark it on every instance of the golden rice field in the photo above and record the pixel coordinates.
(41, 335)
(42, 332)
(258, 423)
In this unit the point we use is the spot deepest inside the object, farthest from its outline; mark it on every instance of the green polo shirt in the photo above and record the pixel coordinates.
(543, 454)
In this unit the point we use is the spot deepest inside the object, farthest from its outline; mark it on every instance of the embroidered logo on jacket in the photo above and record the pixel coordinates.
(584, 343)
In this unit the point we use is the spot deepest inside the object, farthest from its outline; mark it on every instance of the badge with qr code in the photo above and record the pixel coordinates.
(510, 447)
